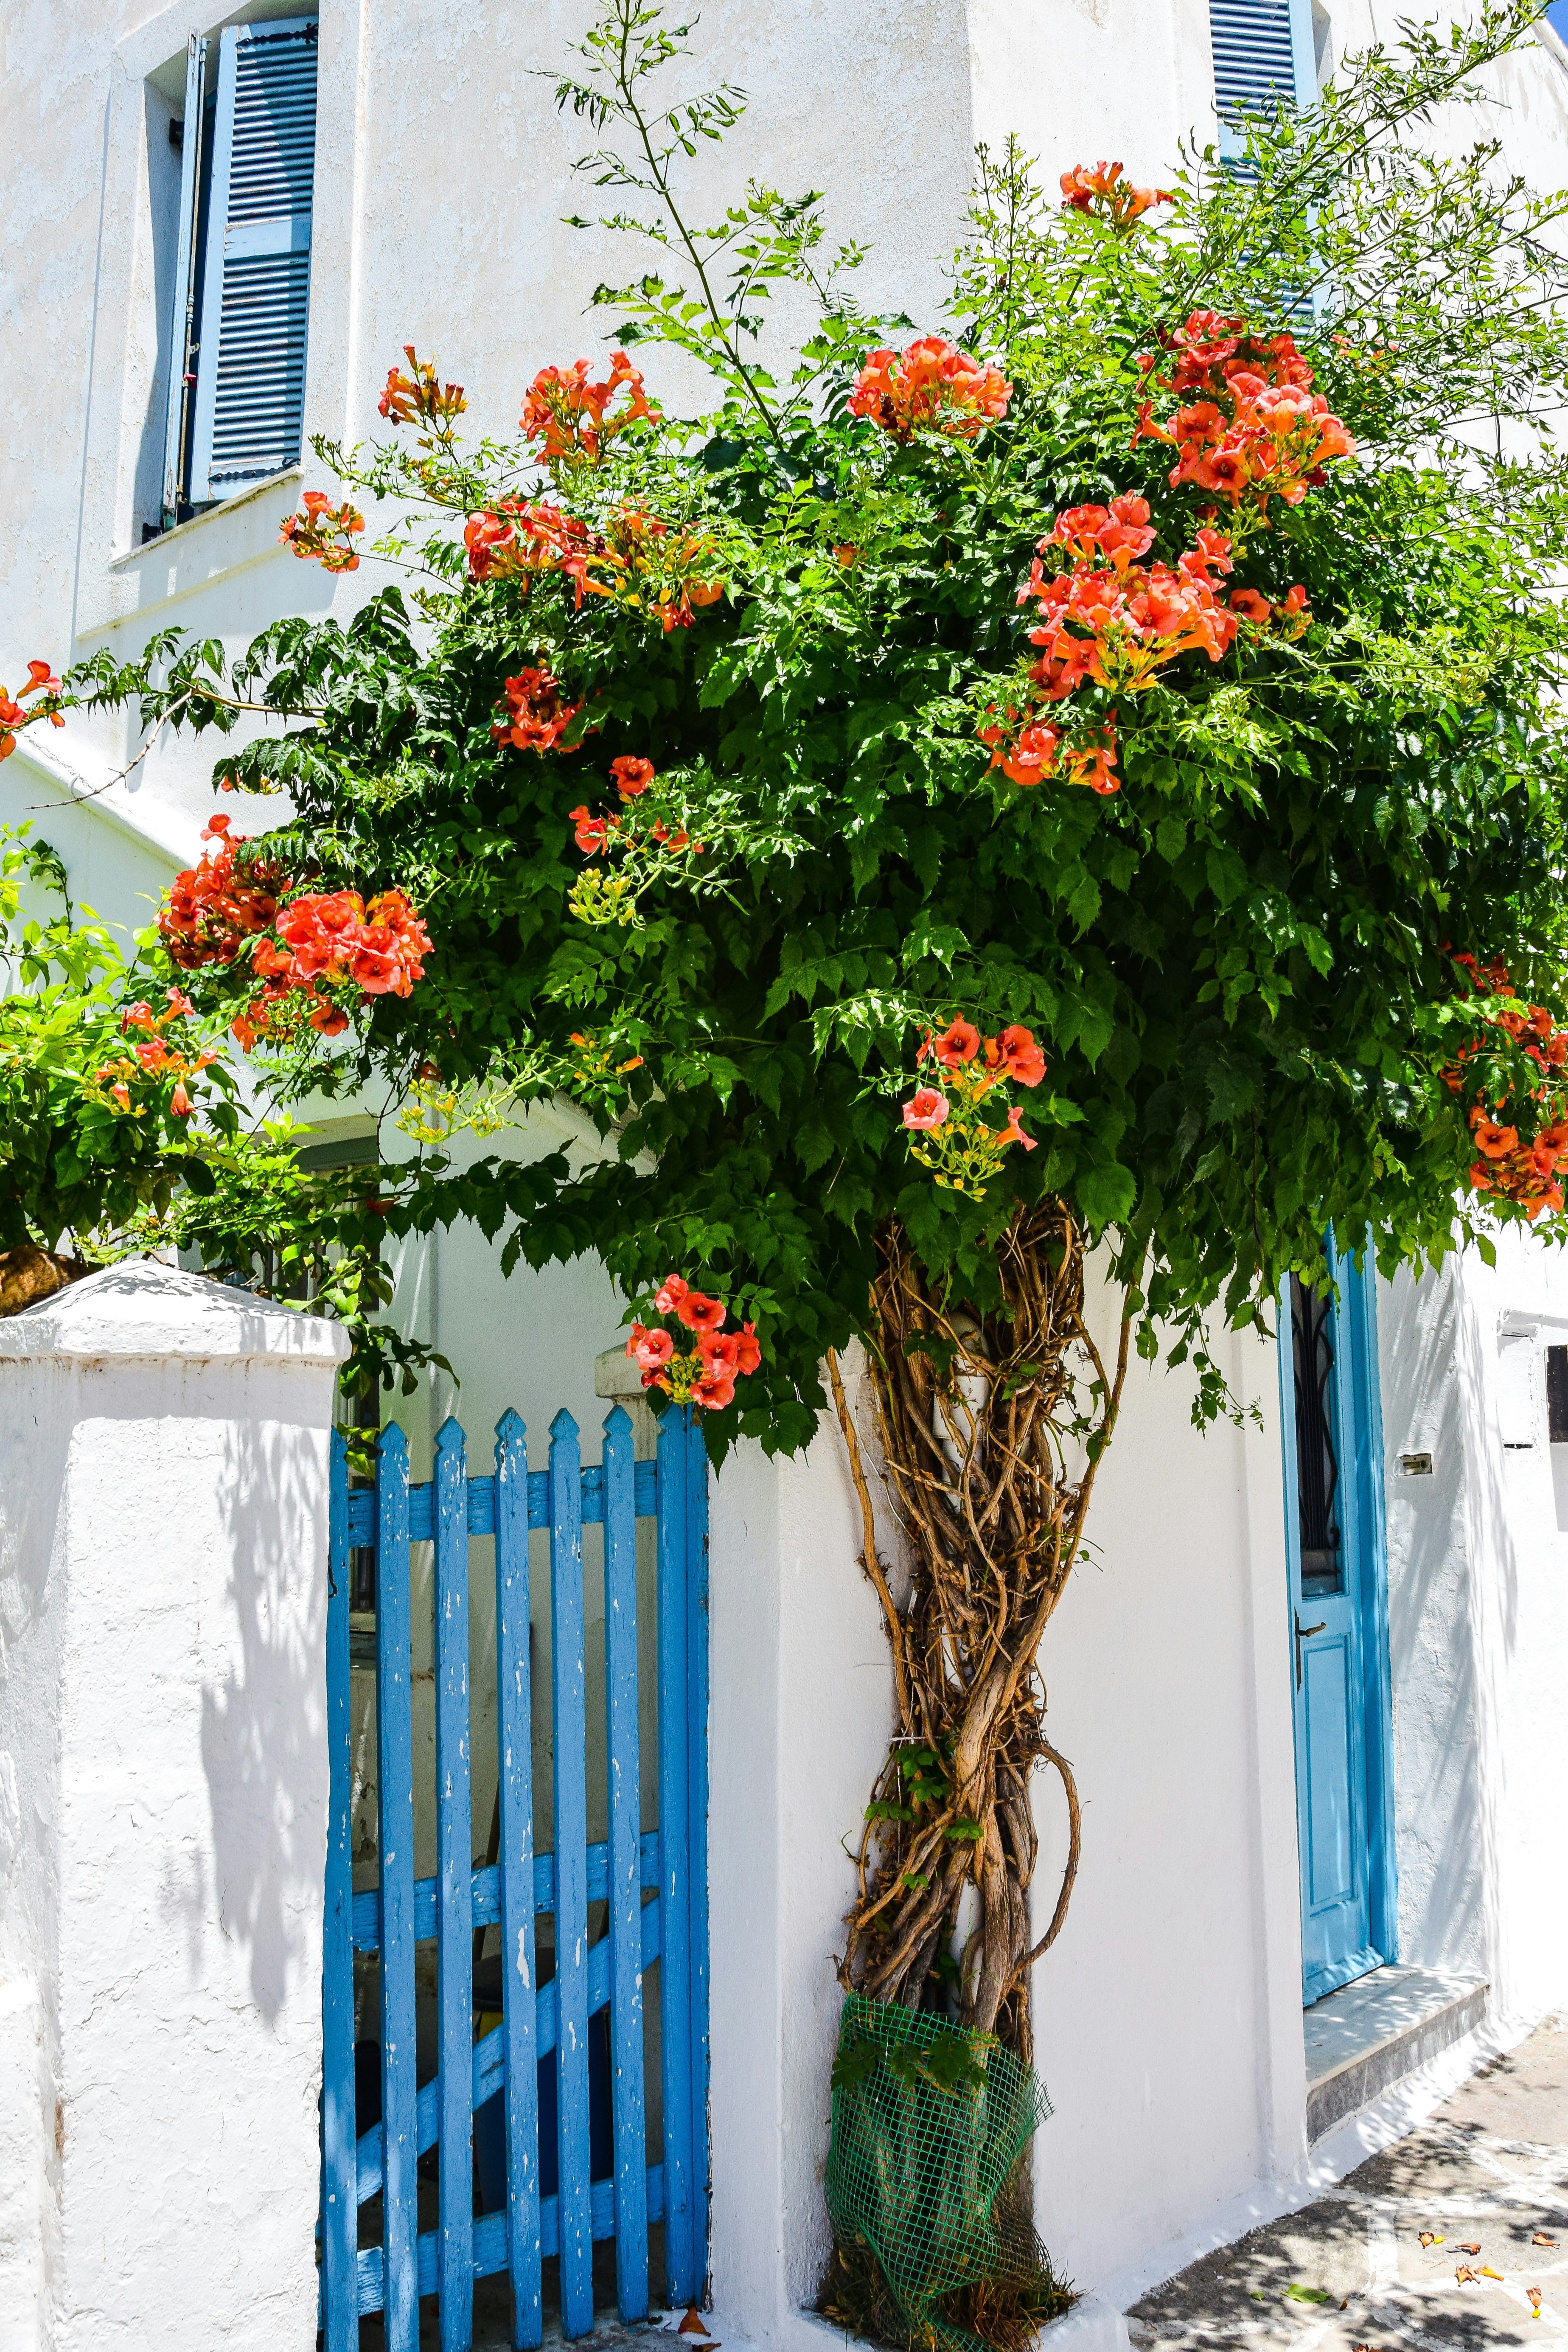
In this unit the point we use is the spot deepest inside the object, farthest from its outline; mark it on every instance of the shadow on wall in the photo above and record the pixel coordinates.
(33, 1454)
(263, 1719)
(1432, 1385)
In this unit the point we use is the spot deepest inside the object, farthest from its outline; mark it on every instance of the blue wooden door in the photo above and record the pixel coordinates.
(1338, 1663)
(553, 2089)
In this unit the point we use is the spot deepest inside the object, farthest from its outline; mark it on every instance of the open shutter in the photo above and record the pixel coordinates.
(1263, 55)
(184, 327)
(250, 375)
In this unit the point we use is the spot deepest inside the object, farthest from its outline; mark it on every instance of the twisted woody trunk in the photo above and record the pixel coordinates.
(991, 1427)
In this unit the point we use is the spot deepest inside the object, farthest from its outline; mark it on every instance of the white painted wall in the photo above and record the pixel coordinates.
(1478, 1623)
(162, 1814)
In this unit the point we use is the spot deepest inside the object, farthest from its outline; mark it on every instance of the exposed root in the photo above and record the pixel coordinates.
(29, 1274)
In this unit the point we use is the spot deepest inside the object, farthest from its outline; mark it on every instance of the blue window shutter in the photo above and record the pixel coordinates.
(184, 333)
(250, 376)
(1263, 57)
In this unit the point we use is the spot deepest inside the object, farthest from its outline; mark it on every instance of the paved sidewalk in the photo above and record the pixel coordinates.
(1485, 2177)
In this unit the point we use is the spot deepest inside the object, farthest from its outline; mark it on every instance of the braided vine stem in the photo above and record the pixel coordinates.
(992, 1426)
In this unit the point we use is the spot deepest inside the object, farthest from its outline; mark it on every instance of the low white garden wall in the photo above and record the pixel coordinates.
(164, 1463)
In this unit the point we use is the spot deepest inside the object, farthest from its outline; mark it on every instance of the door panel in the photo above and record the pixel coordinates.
(1326, 1707)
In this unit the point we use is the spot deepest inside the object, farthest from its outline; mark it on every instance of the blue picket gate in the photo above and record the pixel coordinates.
(543, 2036)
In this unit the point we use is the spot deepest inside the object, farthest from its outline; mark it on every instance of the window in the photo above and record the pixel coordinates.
(1317, 1448)
(1557, 1396)
(242, 272)
(1264, 54)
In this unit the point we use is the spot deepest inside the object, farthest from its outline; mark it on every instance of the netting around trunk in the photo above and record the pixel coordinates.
(926, 2176)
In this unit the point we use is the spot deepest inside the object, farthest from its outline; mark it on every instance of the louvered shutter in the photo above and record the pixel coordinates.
(250, 371)
(1263, 55)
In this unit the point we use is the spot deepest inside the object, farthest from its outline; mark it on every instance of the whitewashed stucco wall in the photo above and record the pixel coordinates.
(1478, 1625)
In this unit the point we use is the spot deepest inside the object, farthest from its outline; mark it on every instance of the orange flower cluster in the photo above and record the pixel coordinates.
(154, 1059)
(212, 909)
(324, 533)
(329, 940)
(660, 570)
(1104, 192)
(570, 415)
(42, 680)
(539, 717)
(704, 1373)
(933, 384)
(960, 1145)
(1255, 430)
(1515, 1166)
(1029, 751)
(419, 398)
(1109, 620)
(517, 538)
(318, 941)
(612, 898)
(635, 558)
(631, 777)
(1528, 1172)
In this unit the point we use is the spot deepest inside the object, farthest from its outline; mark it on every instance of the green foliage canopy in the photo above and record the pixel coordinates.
(1238, 965)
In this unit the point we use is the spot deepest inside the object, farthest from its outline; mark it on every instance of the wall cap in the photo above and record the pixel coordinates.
(142, 1307)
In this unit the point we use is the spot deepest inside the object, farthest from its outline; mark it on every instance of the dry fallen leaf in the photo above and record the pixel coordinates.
(1429, 2239)
(1469, 2250)
(1541, 2239)
(1464, 2276)
(693, 2323)
(1534, 2295)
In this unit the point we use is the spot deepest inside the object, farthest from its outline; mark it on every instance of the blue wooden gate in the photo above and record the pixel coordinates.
(543, 2039)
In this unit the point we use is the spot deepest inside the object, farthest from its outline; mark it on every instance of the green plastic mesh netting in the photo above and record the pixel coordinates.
(935, 2243)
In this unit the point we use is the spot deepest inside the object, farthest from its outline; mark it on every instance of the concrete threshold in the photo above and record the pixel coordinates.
(1370, 2034)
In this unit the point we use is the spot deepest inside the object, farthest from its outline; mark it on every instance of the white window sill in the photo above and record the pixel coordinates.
(211, 514)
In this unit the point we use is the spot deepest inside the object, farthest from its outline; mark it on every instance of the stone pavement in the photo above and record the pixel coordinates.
(1484, 2179)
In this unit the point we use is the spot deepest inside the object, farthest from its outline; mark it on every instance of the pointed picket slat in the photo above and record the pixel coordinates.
(682, 2284)
(454, 1899)
(624, 1875)
(395, 1762)
(515, 1750)
(571, 1761)
(339, 2280)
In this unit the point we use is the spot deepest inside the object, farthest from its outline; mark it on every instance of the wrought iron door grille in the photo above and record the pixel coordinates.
(1317, 1454)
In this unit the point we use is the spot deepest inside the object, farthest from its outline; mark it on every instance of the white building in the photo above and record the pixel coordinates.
(1314, 1713)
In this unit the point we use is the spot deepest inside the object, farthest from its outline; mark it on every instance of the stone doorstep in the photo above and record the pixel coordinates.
(1370, 2034)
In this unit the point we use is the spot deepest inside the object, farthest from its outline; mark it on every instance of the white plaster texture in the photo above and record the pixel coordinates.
(1478, 1623)
(164, 1459)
